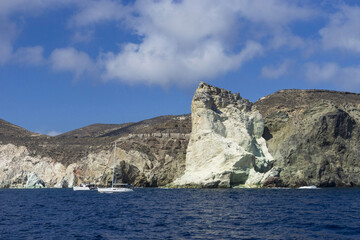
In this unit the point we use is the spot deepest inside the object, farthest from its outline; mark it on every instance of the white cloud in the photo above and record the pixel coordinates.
(94, 12)
(183, 42)
(83, 36)
(178, 46)
(326, 72)
(9, 29)
(49, 133)
(343, 30)
(8, 7)
(29, 55)
(179, 42)
(274, 72)
(155, 62)
(53, 133)
(8, 32)
(274, 12)
(350, 78)
(70, 59)
(283, 38)
(346, 77)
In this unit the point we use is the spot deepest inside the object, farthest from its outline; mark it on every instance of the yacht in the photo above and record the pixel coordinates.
(116, 188)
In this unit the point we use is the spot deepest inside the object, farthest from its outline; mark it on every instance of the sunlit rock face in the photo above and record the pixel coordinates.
(33, 181)
(314, 136)
(149, 153)
(18, 169)
(226, 147)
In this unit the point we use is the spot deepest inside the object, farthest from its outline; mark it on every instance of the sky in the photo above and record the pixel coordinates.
(66, 64)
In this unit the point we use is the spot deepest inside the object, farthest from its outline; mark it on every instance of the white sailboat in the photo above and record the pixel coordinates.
(84, 187)
(119, 187)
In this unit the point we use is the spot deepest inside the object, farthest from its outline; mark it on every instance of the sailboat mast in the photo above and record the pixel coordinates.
(84, 166)
(112, 184)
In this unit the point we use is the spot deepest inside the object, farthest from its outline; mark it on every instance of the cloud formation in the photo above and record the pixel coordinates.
(187, 41)
(274, 72)
(53, 133)
(343, 30)
(10, 29)
(346, 77)
(29, 56)
(183, 42)
(7, 35)
(95, 12)
(157, 61)
(70, 59)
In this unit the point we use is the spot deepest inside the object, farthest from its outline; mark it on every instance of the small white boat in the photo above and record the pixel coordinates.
(81, 188)
(85, 187)
(308, 187)
(116, 188)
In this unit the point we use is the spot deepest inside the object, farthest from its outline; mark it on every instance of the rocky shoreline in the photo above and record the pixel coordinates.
(291, 138)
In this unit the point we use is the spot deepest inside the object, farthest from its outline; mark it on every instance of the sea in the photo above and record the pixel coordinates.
(155, 213)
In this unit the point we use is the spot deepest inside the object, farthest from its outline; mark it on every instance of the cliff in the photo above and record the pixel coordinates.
(226, 147)
(288, 139)
(150, 153)
(314, 137)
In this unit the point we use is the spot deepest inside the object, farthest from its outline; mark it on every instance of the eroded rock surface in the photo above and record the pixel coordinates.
(149, 153)
(314, 136)
(33, 181)
(226, 147)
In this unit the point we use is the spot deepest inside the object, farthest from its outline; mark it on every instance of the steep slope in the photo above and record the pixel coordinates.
(314, 136)
(94, 130)
(226, 147)
(8, 130)
(150, 153)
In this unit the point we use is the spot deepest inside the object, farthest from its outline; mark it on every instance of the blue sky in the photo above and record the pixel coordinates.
(65, 64)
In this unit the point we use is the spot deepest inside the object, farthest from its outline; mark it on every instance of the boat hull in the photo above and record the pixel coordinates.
(114, 190)
(308, 187)
(78, 188)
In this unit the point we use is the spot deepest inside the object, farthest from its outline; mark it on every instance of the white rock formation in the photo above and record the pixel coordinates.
(226, 147)
(18, 169)
(21, 169)
(33, 181)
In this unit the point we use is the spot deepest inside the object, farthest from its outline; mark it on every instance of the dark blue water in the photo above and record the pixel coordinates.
(181, 214)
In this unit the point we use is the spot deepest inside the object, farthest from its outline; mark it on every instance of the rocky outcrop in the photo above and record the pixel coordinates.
(314, 136)
(149, 153)
(226, 147)
(148, 160)
(290, 138)
(33, 181)
(18, 169)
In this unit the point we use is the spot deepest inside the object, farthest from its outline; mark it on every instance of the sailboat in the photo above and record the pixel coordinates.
(84, 187)
(119, 187)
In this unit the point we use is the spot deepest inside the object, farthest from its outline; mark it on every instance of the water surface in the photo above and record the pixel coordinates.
(180, 214)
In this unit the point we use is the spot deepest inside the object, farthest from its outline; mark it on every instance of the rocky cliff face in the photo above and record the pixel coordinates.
(314, 137)
(226, 147)
(149, 153)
